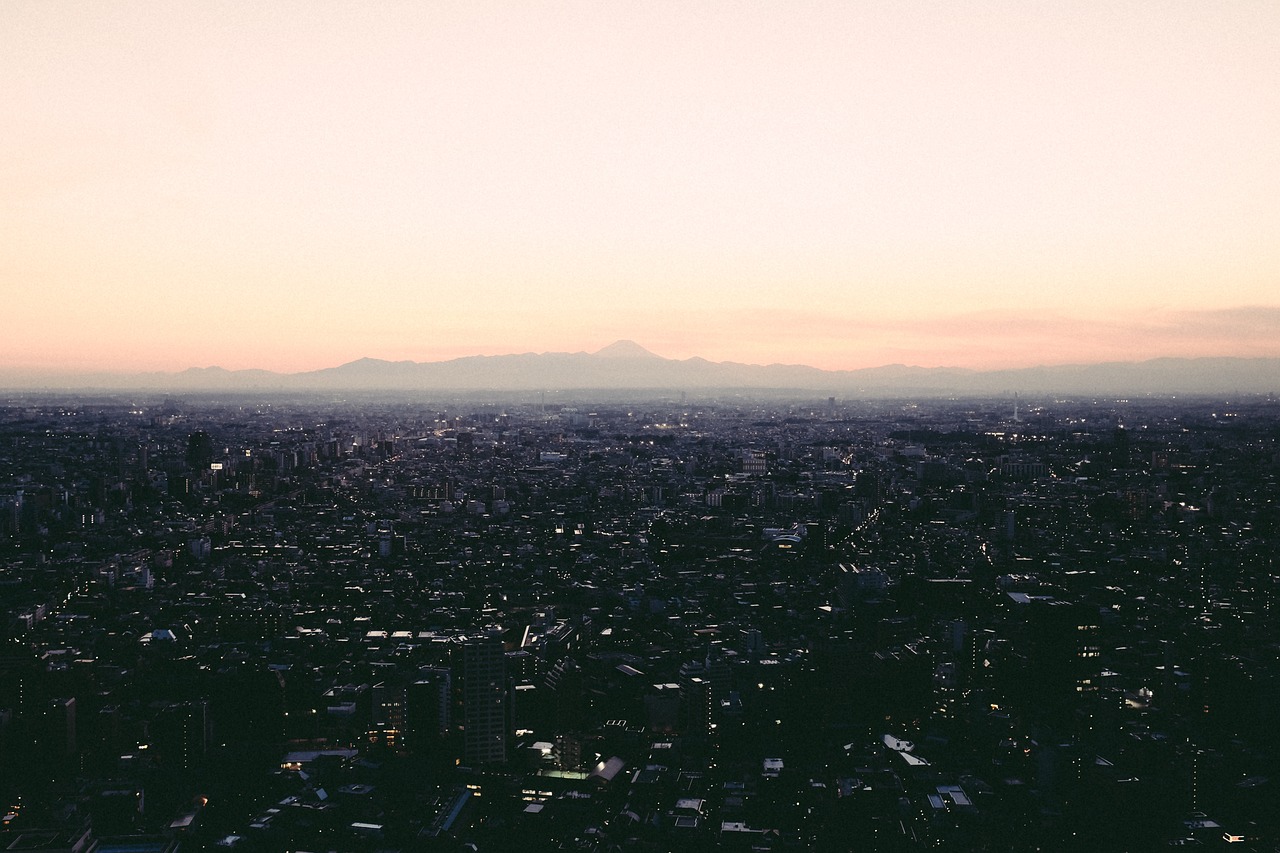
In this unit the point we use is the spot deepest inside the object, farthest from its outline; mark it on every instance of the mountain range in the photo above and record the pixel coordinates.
(625, 365)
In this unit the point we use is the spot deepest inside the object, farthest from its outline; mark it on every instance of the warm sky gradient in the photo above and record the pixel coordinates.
(292, 185)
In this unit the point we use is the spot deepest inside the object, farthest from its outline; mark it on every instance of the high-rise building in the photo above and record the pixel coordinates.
(60, 727)
(662, 707)
(427, 709)
(716, 668)
(698, 705)
(180, 734)
(565, 685)
(18, 671)
(484, 701)
(199, 450)
(387, 715)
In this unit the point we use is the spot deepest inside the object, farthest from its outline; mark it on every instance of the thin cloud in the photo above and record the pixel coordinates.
(1248, 322)
(1005, 338)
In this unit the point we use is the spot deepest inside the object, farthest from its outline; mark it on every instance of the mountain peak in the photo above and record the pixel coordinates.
(624, 349)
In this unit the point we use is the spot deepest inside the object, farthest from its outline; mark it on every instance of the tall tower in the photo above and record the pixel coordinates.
(717, 672)
(427, 709)
(180, 734)
(484, 701)
(387, 721)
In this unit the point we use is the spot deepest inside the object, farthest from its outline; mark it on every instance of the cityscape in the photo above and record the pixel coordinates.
(486, 426)
(680, 621)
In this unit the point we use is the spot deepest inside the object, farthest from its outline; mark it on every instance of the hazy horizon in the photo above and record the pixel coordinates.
(647, 352)
(625, 367)
(291, 188)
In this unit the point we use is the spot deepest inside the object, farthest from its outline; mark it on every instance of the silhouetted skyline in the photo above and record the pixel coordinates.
(626, 368)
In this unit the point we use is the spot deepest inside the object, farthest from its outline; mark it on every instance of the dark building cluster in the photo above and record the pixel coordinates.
(650, 625)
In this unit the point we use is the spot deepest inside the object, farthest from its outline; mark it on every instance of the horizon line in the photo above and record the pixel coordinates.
(645, 355)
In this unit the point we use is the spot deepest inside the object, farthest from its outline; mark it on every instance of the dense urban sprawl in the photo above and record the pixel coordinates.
(665, 624)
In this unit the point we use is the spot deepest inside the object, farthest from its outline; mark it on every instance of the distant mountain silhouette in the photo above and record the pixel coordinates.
(624, 349)
(625, 365)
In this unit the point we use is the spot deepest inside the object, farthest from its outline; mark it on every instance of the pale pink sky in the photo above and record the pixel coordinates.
(292, 185)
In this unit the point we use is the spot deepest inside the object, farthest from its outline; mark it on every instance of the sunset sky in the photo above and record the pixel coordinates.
(293, 185)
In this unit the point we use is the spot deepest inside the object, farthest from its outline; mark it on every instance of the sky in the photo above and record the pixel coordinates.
(294, 185)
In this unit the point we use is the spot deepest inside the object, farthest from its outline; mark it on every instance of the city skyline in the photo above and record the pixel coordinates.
(292, 188)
